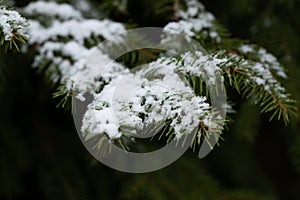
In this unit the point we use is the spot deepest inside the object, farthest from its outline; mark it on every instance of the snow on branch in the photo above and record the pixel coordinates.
(52, 9)
(162, 96)
(254, 73)
(194, 22)
(63, 48)
(64, 44)
(169, 90)
(249, 68)
(12, 28)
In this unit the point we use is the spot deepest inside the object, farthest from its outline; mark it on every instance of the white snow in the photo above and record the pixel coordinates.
(77, 30)
(11, 21)
(195, 20)
(152, 94)
(94, 73)
(63, 44)
(131, 96)
(269, 61)
(62, 11)
(246, 48)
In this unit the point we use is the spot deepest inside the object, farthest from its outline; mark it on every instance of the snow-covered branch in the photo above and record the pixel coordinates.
(169, 88)
(12, 28)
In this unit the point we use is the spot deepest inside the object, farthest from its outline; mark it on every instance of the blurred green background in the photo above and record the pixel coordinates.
(42, 157)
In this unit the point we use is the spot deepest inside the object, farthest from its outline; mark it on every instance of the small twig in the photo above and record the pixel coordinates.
(175, 9)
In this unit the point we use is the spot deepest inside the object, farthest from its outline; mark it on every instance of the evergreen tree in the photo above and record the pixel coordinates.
(62, 33)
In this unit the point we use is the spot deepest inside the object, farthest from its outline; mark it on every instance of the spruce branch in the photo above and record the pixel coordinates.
(255, 80)
(63, 48)
(12, 29)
